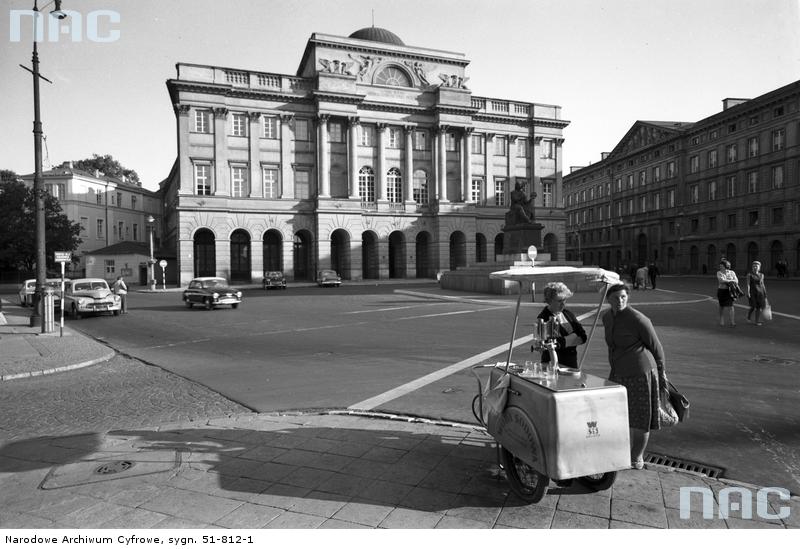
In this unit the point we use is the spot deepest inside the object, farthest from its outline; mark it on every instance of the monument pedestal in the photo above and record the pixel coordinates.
(517, 238)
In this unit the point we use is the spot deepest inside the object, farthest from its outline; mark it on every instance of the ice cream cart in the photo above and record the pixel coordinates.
(561, 423)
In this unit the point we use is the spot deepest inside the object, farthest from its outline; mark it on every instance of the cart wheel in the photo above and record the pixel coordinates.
(526, 482)
(602, 481)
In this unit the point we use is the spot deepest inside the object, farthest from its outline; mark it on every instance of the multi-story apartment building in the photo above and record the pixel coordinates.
(375, 159)
(109, 210)
(684, 195)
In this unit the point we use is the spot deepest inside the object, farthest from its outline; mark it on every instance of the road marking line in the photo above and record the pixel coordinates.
(450, 313)
(418, 383)
(390, 309)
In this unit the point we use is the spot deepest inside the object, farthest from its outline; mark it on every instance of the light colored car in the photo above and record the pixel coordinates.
(90, 296)
(27, 289)
(328, 277)
(210, 291)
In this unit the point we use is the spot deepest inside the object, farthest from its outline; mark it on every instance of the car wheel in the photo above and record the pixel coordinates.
(74, 311)
(188, 303)
(209, 304)
(116, 313)
(234, 305)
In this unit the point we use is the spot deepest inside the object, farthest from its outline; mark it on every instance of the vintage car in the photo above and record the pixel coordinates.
(88, 296)
(274, 279)
(28, 287)
(328, 277)
(210, 291)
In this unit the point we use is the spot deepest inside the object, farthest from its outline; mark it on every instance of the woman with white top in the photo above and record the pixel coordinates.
(725, 276)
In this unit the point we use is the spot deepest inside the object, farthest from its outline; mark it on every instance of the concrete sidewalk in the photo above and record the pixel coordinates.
(336, 469)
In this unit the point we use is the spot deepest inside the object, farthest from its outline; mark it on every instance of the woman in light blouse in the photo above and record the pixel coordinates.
(724, 296)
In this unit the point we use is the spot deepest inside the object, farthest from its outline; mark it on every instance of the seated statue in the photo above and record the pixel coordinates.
(521, 209)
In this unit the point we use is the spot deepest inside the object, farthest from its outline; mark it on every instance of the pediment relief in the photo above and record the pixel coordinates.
(642, 136)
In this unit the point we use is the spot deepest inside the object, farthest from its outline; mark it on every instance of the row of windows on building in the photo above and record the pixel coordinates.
(732, 151)
(733, 127)
(240, 187)
(367, 135)
(751, 218)
(120, 231)
(58, 190)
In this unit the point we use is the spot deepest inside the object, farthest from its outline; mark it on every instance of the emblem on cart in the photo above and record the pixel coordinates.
(593, 431)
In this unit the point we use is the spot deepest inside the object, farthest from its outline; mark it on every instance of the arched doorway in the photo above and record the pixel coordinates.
(711, 258)
(480, 248)
(752, 255)
(370, 263)
(340, 253)
(273, 251)
(641, 250)
(458, 250)
(240, 256)
(205, 254)
(550, 245)
(775, 255)
(694, 259)
(423, 250)
(730, 255)
(397, 255)
(672, 266)
(498, 244)
(301, 251)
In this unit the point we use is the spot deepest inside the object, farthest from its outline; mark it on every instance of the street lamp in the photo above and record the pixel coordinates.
(38, 182)
(151, 271)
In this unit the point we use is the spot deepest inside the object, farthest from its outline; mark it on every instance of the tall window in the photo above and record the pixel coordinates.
(476, 190)
(302, 184)
(712, 190)
(202, 121)
(395, 140)
(548, 147)
(136, 232)
(777, 177)
(366, 184)
(500, 145)
(694, 164)
(730, 186)
(133, 201)
(671, 171)
(239, 124)
(643, 204)
(522, 148)
(301, 130)
(712, 158)
(656, 174)
(752, 147)
(499, 191)
(657, 201)
(202, 179)
(420, 140)
(731, 153)
(394, 186)
(100, 233)
(270, 175)
(476, 143)
(239, 181)
(120, 229)
(335, 132)
(671, 198)
(547, 193)
(109, 266)
(271, 127)
(451, 141)
(366, 136)
(618, 185)
(642, 178)
(778, 138)
(752, 182)
(420, 187)
(731, 221)
(630, 181)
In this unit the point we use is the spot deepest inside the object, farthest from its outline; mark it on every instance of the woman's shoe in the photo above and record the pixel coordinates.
(638, 464)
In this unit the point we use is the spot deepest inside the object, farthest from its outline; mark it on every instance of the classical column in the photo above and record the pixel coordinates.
(352, 154)
(557, 182)
(186, 169)
(488, 168)
(409, 164)
(380, 130)
(323, 154)
(221, 168)
(511, 158)
(253, 138)
(466, 157)
(441, 138)
(287, 177)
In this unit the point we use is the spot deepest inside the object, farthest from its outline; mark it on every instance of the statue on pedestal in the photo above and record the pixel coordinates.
(521, 210)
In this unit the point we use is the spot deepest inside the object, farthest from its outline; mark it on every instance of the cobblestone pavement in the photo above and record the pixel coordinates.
(119, 393)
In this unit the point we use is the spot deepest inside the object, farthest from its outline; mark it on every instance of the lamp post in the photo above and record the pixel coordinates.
(38, 182)
(151, 271)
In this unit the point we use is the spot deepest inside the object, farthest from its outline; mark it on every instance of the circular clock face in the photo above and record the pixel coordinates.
(392, 76)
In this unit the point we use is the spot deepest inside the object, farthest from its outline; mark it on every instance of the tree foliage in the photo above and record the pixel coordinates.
(18, 228)
(107, 165)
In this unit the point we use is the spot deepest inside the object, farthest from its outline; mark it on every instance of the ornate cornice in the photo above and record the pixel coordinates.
(334, 97)
(182, 110)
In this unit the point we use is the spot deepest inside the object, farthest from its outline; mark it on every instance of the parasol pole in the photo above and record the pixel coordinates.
(594, 324)
(514, 329)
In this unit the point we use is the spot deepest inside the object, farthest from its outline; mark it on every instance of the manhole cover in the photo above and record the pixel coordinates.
(113, 467)
(766, 359)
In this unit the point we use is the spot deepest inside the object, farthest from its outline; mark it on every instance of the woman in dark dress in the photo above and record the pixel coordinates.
(756, 292)
(571, 333)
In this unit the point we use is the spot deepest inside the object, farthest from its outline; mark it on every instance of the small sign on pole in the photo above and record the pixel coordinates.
(63, 258)
(163, 265)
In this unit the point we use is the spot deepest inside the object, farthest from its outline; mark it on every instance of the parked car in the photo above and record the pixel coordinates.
(211, 291)
(274, 279)
(89, 296)
(27, 289)
(328, 277)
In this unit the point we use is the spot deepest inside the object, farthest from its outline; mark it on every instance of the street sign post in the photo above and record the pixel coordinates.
(163, 265)
(63, 258)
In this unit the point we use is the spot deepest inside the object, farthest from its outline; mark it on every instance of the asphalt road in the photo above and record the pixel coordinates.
(310, 348)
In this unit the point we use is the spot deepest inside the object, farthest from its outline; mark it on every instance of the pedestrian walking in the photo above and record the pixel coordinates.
(641, 278)
(571, 332)
(637, 362)
(756, 292)
(726, 282)
(652, 272)
(121, 289)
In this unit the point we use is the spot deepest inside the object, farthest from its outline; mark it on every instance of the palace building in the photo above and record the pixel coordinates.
(374, 159)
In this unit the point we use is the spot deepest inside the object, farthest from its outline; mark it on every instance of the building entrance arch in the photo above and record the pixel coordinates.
(641, 250)
(273, 251)
(370, 265)
(205, 253)
(240, 256)
(458, 250)
(397, 255)
(423, 250)
(302, 257)
(340, 253)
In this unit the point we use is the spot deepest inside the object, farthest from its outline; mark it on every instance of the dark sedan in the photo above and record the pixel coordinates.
(274, 279)
(210, 291)
(328, 277)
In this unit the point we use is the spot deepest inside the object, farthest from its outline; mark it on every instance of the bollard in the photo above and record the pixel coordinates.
(48, 311)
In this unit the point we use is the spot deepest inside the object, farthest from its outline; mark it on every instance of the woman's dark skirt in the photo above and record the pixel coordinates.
(724, 297)
(643, 400)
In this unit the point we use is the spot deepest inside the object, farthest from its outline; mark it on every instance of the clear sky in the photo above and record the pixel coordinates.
(608, 63)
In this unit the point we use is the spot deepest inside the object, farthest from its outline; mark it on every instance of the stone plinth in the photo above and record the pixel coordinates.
(517, 238)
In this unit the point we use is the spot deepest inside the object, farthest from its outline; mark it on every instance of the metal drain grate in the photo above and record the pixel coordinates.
(684, 465)
(113, 467)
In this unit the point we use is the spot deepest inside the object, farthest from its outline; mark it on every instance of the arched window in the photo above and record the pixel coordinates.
(394, 186)
(366, 184)
(420, 187)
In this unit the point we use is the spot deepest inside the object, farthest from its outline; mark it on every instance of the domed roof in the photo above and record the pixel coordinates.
(377, 34)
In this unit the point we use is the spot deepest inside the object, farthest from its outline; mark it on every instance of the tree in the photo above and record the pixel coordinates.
(18, 234)
(8, 176)
(105, 164)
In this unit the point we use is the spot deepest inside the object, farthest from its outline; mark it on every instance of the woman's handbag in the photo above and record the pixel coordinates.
(679, 402)
(667, 416)
(766, 312)
(735, 290)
